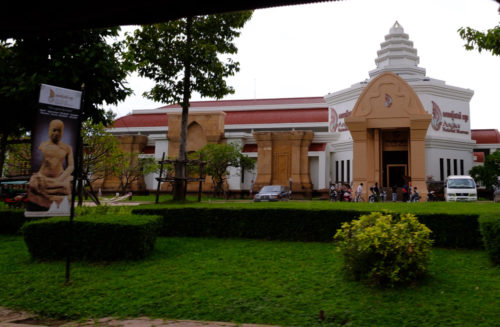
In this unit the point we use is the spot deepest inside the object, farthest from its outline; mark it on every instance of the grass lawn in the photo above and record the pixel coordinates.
(250, 281)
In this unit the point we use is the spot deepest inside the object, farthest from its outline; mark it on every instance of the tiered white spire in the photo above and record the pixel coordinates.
(397, 55)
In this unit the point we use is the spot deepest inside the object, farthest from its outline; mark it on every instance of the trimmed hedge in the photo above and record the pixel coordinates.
(11, 221)
(490, 229)
(298, 225)
(94, 237)
(453, 231)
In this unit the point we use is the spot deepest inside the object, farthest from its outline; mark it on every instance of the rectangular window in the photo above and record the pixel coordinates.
(342, 171)
(336, 171)
(242, 175)
(448, 167)
(461, 167)
(441, 169)
(455, 166)
(348, 171)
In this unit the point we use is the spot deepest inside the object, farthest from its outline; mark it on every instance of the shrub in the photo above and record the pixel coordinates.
(383, 249)
(11, 221)
(490, 229)
(92, 237)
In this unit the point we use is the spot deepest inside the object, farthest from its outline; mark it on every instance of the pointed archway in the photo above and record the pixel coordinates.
(387, 104)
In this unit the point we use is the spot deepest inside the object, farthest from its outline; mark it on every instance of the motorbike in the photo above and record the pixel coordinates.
(347, 196)
(431, 197)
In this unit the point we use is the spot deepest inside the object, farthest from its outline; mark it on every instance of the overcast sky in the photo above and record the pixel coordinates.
(316, 49)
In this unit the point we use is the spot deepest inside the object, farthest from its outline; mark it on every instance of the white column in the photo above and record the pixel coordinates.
(322, 171)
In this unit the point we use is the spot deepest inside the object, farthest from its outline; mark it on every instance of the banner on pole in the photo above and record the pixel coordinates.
(54, 138)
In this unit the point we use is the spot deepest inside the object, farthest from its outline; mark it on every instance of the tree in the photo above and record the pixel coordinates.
(219, 157)
(100, 152)
(488, 173)
(185, 56)
(65, 59)
(129, 167)
(489, 41)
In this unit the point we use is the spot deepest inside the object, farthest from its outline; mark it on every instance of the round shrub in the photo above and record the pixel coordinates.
(383, 249)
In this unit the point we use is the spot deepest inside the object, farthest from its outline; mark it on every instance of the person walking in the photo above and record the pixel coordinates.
(394, 193)
(359, 192)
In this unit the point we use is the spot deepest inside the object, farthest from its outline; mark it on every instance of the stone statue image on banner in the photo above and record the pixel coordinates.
(50, 187)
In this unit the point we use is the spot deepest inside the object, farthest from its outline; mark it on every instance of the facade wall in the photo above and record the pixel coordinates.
(441, 161)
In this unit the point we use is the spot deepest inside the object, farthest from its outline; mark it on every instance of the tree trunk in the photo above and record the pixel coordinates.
(3, 150)
(180, 166)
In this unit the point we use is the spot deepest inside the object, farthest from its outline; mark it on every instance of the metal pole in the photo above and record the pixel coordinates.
(159, 178)
(200, 176)
(76, 176)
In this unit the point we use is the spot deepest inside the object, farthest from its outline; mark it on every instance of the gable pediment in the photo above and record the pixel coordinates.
(388, 96)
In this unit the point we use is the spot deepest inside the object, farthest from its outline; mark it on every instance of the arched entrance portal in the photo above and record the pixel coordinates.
(388, 126)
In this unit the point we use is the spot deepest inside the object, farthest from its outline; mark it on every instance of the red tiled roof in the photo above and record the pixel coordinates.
(142, 120)
(149, 149)
(314, 115)
(485, 136)
(478, 156)
(250, 148)
(277, 116)
(312, 147)
(254, 102)
(317, 147)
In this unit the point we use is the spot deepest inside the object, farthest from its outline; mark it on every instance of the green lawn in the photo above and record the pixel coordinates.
(250, 281)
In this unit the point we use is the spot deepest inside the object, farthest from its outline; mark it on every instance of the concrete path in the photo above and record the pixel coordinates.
(11, 318)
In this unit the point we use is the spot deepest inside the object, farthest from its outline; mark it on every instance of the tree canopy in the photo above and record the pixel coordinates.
(219, 157)
(488, 173)
(185, 56)
(73, 59)
(489, 40)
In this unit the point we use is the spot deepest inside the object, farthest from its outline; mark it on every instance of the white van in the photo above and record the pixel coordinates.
(460, 188)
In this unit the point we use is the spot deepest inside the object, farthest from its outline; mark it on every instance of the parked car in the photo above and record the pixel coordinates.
(460, 188)
(272, 193)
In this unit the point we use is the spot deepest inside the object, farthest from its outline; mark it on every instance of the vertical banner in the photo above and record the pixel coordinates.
(53, 150)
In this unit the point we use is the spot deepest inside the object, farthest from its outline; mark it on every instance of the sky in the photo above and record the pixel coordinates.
(316, 49)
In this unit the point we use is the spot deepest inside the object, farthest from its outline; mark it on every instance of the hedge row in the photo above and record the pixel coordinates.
(93, 237)
(298, 225)
(490, 229)
(11, 221)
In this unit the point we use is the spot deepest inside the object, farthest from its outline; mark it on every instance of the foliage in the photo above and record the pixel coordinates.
(490, 229)
(11, 221)
(100, 150)
(99, 237)
(248, 281)
(385, 250)
(130, 167)
(489, 40)
(18, 157)
(219, 157)
(488, 173)
(68, 59)
(160, 51)
(184, 56)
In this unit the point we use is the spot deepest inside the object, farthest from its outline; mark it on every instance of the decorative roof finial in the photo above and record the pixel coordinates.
(396, 28)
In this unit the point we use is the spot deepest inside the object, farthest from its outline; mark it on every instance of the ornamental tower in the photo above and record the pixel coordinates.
(397, 55)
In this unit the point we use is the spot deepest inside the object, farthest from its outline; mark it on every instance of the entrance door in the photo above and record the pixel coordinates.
(281, 168)
(396, 174)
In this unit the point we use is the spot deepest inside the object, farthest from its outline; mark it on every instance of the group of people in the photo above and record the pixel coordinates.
(341, 192)
(344, 193)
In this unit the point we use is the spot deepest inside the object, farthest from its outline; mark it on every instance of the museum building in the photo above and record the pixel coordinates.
(398, 126)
